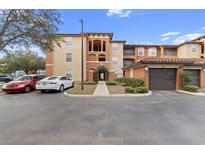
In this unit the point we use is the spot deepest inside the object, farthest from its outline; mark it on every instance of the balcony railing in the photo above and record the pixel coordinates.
(168, 53)
(128, 53)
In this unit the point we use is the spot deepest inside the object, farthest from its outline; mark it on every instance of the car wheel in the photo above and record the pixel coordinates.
(27, 89)
(6, 81)
(73, 84)
(42, 91)
(61, 88)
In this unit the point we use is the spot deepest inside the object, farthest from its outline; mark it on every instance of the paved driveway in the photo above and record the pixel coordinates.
(166, 117)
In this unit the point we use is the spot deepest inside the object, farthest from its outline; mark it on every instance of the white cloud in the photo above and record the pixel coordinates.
(170, 34)
(119, 12)
(187, 37)
(203, 28)
(165, 38)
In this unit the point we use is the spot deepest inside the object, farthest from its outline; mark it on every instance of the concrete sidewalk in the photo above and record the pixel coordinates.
(101, 89)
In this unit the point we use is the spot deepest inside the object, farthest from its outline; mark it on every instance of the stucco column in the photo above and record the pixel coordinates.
(178, 80)
(161, 51)
(202, 78)
(131, 73)
(204, 50)
(92, 45)
(101, 46)
(146, 77)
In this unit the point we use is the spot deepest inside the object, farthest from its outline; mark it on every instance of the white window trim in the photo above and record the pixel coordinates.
(116, 46)
(149, 51)
(71, 41)
(71, 57)
(70, 73)
(139, 52)
(115, 59)
(193, 46)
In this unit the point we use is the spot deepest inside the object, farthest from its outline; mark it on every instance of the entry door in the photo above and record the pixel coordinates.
(162, 78)
(195, 77)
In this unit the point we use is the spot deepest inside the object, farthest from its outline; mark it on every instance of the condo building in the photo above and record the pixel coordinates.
(107, 59)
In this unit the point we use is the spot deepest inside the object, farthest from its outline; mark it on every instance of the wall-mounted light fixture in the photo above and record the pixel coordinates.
(146, 68)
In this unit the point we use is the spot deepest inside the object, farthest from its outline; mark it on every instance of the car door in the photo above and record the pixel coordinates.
(35, 80)
(63, 81)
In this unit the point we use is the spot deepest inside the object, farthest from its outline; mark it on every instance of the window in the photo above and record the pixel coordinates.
(63, 78)
(101, 58)
(68, 41)
(170, 51)
(152, 52)
(90, 46)
(140, 51)
(114, 60)
(129, 52)
(193, 48)
(97, 45)
(68, 57)
(114, 46)
(128, 62)
(68, 73)
(104, 45)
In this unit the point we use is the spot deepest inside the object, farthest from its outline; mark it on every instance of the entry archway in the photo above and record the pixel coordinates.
(100, 74)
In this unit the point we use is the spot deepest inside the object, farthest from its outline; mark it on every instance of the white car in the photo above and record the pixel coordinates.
(54, 83)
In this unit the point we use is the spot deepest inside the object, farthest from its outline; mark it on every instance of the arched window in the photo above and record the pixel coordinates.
(101, 57)
(152, 51)
(140, 51)
(96, 45)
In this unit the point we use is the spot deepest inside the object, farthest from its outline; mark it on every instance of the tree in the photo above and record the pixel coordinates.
(186, 78)
(25, 61)
(26, 28)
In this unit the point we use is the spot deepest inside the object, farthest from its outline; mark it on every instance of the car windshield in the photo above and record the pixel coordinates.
(25, 78)
(52, 78)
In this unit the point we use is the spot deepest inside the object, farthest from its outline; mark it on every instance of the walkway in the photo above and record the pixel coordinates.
(101, 89)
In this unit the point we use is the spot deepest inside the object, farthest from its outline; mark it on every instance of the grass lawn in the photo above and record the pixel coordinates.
(88, 90)
(116, 89)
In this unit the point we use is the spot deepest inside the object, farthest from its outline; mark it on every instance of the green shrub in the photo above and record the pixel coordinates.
(121, 80)
(130, 90)
(90, 82)
(186, 78)
(123, 84)
(141, 89)
(131, 82)
(191, 88)
(111, 82)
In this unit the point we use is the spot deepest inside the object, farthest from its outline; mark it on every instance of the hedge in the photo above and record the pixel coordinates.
(191, 88)
(111, 82)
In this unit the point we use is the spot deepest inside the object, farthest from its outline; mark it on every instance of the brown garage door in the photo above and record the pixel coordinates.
(195, 76)
(162, 78)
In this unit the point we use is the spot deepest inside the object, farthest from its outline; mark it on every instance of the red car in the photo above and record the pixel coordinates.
(22, 84)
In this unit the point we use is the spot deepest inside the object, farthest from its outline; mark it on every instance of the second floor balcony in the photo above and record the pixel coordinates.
(170, 52)
(129, 52)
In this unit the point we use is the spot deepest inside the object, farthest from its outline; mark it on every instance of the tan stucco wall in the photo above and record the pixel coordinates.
(184, 51)
(119, 55)
(60, 65)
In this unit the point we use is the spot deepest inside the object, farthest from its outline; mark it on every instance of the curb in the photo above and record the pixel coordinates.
(111, 95)
(187, 92)
(131, 95)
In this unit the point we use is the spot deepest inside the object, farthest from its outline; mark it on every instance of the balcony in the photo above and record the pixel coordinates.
(129, 52)
(170, 52)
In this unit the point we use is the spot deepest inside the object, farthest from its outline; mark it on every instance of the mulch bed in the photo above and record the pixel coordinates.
(116, 89)
(88, 90)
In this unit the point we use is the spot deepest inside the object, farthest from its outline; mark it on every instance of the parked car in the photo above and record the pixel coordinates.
(58, 83)
(5, 78)
(22, 84)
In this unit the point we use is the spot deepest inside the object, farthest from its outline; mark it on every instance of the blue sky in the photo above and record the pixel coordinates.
(138, 26)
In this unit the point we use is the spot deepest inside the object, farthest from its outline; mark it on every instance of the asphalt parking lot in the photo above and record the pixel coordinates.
(165, 117)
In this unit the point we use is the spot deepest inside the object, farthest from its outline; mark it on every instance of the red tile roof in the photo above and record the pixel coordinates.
(182, 61)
